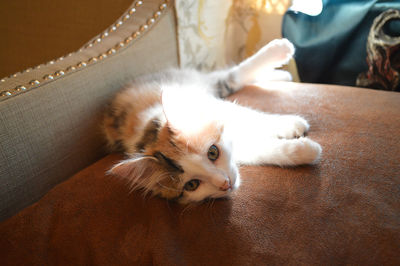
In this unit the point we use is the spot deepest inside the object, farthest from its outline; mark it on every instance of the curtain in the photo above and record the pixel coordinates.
(213, 34)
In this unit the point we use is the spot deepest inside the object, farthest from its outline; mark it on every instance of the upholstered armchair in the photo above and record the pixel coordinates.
(51, 112)
(59, 207)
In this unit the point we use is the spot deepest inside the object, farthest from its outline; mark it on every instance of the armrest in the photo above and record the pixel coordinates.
(50, 115)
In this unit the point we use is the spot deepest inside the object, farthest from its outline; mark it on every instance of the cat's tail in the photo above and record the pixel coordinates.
(273, 55)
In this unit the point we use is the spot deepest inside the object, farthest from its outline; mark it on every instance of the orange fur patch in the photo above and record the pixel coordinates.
(167, 145)
(139, 101)
(200, 142)
(129, 102)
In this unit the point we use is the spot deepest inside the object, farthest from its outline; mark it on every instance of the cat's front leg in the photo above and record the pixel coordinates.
(264, 124)
(286, 126)
(261, 138)
(282, 152)
(298, 151)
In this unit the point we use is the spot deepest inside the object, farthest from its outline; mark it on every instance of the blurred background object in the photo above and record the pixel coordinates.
(35, 32)
(332, 46)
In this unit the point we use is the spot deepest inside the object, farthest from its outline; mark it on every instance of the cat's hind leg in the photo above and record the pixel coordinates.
(275, 54)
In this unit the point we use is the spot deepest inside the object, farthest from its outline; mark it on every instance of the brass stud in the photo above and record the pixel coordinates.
(111, 51)
(135, 35)
(118, 24)
(48, 77)
(102, 56)
(105, 34)
(70, 68)
(92, 60)
(163, 6)
(126, 17)
(59, 73)
(96, 40)
(113, 28)
(34, 82)
(139, 3)
(51, 62)
(143, 28)
(2, 80)
(128, 40)
(5, 93)
(133, 10)
(119, 46)
(150, 21)
(20, 88)
(81, 64)
(157, 14)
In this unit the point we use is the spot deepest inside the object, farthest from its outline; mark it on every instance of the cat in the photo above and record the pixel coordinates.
(185, 142)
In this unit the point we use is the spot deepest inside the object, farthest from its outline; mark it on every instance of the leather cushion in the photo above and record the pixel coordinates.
(344, 210)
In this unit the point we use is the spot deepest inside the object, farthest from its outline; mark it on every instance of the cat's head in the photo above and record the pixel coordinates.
(191, 159)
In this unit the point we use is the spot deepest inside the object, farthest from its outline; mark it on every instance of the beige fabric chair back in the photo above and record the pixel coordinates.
(50, 115)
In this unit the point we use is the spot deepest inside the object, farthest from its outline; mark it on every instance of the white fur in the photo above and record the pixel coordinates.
(261, 138)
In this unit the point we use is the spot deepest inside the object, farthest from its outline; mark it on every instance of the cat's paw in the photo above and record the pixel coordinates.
(280, 51)
(303, 151)
(292, 126)
(283, 47)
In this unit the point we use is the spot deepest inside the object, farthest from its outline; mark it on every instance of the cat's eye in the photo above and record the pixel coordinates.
(213, 153)
(192, 185)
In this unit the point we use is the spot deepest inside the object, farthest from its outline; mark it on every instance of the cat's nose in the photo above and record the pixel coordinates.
(225, 186)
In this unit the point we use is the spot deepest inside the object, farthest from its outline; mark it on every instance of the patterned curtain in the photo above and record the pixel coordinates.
(213, 34)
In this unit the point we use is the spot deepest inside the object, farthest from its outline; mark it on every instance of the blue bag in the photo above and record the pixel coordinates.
(331, 47)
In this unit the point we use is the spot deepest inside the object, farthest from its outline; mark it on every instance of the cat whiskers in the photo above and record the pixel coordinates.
(190, 206)
(210, 206)
(169, 188)
(164, 176)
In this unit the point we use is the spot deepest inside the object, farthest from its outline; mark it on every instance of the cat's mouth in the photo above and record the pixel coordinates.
(227, 189)
(227, 185)
(222, 194)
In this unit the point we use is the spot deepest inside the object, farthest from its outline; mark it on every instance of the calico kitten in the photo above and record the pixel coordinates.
(185, 143)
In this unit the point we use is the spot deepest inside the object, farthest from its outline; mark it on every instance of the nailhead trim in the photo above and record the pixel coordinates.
(34, 82)
(48, 77)
(111, 51)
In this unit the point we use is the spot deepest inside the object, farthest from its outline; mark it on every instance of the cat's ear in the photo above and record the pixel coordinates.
(141, 172)
(188, 110)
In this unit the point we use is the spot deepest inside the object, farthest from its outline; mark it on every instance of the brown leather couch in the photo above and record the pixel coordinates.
(345, 210)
